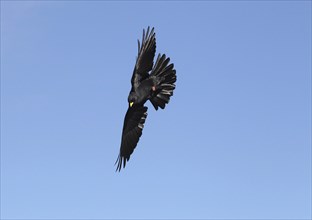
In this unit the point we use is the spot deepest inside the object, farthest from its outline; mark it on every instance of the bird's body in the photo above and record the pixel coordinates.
(149, 82)
(143, 92)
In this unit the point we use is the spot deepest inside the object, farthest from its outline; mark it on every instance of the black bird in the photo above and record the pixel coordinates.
(149, 82)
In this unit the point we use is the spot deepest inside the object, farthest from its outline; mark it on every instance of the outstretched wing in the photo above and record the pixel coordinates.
(131, 133)
(146, 53)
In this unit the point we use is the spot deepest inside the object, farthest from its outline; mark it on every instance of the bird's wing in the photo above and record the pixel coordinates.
(131, 133)
(144, 61)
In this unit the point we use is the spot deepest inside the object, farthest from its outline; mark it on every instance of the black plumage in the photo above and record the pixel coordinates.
(154, 82)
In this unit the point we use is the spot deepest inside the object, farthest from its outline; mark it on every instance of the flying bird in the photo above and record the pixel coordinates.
(153, 82)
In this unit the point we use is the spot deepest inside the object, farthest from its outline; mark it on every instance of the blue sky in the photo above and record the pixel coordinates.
(234, 142)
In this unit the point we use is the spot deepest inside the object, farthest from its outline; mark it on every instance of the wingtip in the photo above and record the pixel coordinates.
(119, 163)
(139, 46)
(124, 162)
(148, 33)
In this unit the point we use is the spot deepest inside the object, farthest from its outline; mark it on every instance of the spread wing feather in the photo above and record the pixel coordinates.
(166, 72)
(131, 133)
(144, 61)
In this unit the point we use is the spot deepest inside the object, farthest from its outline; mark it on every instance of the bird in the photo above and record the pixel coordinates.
(149, 81)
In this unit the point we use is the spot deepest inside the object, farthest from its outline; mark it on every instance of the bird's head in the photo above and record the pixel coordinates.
(132, 99)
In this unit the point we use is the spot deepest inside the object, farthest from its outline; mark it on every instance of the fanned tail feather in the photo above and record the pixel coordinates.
(167, 77)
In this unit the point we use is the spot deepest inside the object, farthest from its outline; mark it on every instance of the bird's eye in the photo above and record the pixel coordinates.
(131, 104)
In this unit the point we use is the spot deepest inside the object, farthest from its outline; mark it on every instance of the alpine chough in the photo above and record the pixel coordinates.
(153, 82)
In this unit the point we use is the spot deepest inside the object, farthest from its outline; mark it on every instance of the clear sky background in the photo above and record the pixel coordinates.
(234, 142)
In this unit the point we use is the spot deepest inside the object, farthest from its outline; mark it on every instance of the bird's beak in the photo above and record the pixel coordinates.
(131, 104)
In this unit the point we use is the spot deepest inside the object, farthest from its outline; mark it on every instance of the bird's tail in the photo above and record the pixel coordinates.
(167, 77)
